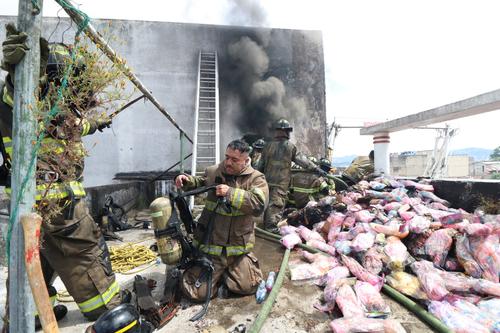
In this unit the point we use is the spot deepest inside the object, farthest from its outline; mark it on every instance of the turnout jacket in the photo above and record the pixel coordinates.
(360, 167)
(276, 162)
(306, 186)
(50, 146)
(233, 229)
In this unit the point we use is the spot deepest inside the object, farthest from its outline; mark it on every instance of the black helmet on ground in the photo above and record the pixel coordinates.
(124, 318)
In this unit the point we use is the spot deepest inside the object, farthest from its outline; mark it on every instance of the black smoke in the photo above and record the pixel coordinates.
(262, 97)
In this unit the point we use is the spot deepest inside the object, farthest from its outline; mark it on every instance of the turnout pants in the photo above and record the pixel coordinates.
(277, 200)
(76, 251)
(241, 274)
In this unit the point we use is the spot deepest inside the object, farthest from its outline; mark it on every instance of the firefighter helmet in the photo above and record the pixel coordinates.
(60, 56)
(259, 144)
(123, 318)
(283, 124)
(325, 163)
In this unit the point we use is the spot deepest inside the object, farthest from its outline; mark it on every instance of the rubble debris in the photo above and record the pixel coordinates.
(399, 232)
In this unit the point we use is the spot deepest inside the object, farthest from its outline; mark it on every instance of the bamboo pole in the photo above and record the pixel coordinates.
(21, 306)
(92, 33)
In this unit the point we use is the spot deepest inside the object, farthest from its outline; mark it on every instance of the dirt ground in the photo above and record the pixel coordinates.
(293, 312)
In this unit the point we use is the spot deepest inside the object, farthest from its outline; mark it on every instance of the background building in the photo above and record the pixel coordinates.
(263, 74)
(413, 164)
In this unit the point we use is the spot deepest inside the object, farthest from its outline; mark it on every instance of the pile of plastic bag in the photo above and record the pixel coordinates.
(400, 233)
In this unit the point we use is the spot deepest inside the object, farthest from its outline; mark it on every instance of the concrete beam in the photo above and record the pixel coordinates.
(486, 102)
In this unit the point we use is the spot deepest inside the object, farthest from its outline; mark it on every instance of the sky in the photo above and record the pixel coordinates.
(384, 59)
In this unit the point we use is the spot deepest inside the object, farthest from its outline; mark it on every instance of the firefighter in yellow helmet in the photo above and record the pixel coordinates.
(72, 244)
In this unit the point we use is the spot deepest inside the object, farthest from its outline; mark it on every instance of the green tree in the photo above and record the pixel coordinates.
(495, 155)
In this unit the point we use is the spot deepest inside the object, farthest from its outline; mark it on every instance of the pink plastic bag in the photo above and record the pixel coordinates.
(486, 287)
(330, 294)
(465, 258)
(322, 246)
(472, 311)
(363, 242)
(366, 325)
(307, 234)
(372, 260)
(361, 273)
(478, 229)
(438, 245)
(418, 186)
(290, 240)
(396, 252)
(487, 255)
(348, 302)
(287, 229)
(336, 273)
(432, 197)
(432, 283)
(419, 224)
(371, 298)
(364, 216)
(454, 319)
(349, 222)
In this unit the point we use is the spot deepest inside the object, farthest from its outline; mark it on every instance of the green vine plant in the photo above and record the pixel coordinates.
(95, 87)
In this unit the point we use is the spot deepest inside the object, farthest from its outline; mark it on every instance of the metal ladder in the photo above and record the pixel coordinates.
(206, 125)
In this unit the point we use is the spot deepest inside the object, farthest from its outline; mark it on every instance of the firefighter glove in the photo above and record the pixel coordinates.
(14, 47)
(103, 122)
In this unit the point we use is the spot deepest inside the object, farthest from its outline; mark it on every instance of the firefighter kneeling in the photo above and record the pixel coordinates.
(234, 208)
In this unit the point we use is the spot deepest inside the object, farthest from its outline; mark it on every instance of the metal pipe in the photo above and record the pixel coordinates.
(92, 33)
(21, 306)
(181, 164)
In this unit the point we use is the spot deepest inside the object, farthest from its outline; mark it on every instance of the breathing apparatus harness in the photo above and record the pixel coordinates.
(192, 256)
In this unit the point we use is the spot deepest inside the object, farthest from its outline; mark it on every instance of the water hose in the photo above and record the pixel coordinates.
(419, 311)
(416, 309)
(273, 237)
(268, 304)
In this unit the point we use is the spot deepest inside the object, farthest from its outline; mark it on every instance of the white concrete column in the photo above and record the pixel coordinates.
(381, 149)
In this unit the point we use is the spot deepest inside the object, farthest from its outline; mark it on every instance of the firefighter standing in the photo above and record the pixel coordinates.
(231, 241)
(277, 158)
(73, 246)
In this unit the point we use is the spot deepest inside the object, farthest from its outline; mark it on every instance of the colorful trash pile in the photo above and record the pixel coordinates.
(400, 233)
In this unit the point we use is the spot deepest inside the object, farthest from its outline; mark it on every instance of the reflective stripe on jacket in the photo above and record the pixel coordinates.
(306, 186)
(57, 190)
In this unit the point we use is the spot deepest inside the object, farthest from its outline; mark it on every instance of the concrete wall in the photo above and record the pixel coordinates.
(458, 166)
(165, 57)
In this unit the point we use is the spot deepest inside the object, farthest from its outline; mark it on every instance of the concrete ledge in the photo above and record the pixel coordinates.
(468, 194)
(128, 195)
(486, 102)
